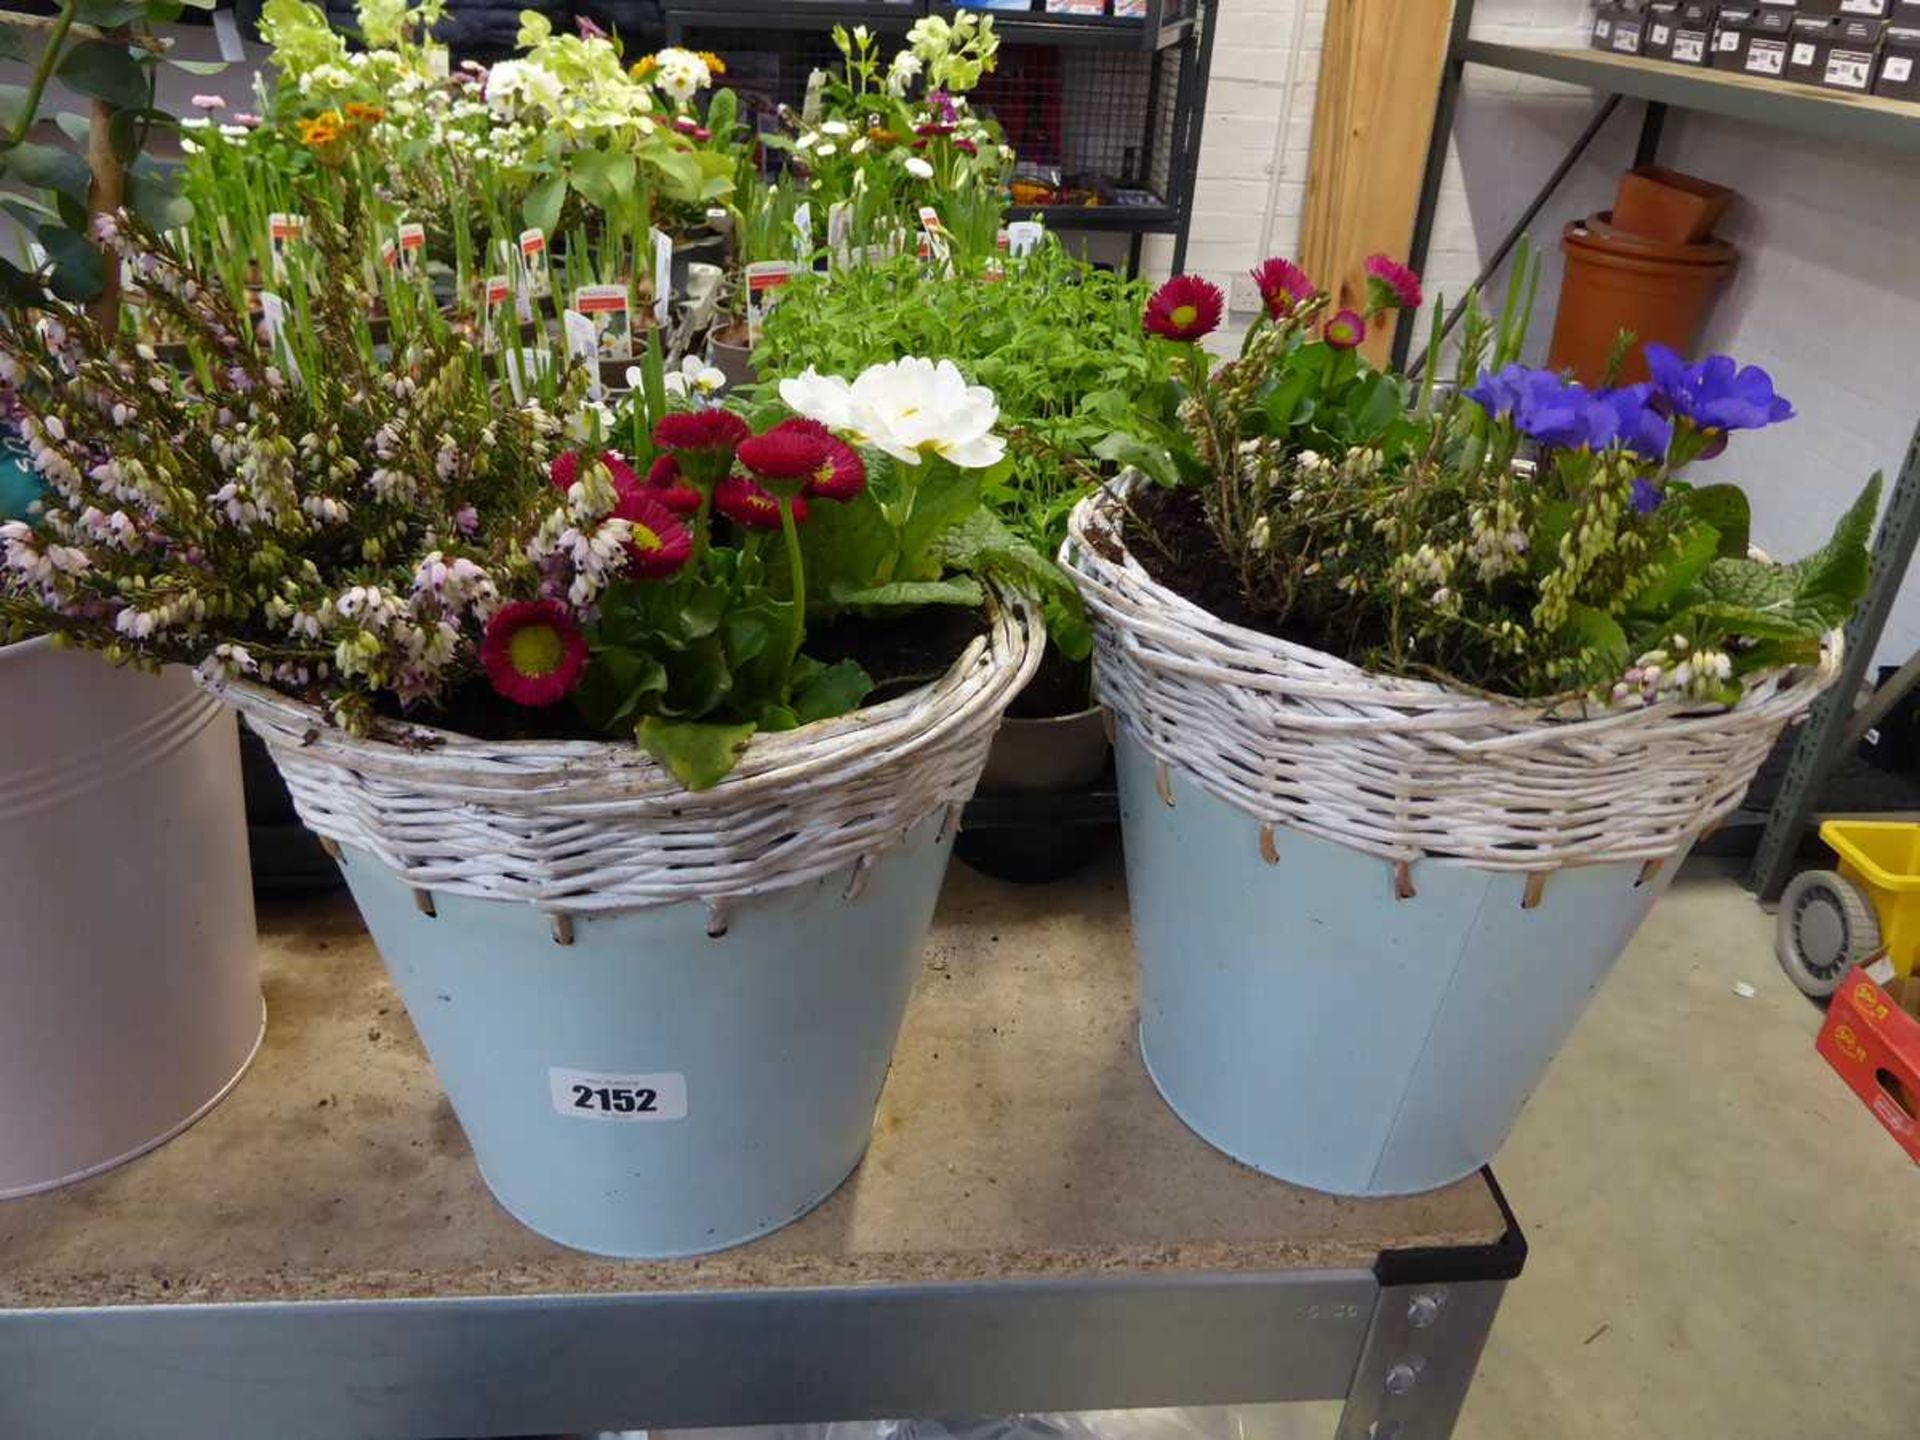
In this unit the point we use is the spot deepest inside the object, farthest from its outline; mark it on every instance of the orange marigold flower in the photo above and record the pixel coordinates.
(365, 114)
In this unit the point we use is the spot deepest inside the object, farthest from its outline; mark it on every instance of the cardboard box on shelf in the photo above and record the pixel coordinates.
(1661, 20)
(1874, 1046)
(1693, 33)
(1847, 61)
(1898, 77)
(1600, 37)
(1629, 31)
(1730, 36)
(1812, 37)
(1763, 48)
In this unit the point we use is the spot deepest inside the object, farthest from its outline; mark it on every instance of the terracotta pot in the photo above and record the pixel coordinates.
(1656, 203)
(1617, 282)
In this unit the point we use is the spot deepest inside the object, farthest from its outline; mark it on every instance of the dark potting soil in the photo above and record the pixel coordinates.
(1168, 533)
(899, 654)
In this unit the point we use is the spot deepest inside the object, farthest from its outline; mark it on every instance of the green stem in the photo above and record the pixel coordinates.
(43, 71)
(700, 527)
(797, 629)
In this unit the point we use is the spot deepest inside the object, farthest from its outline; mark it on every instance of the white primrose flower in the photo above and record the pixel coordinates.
(825, 398)
(836, 128)
(911, 408)
(694, 380)
(918, 168)
(681, 73)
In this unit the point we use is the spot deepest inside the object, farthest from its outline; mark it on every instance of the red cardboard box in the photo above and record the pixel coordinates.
(1874, 1045)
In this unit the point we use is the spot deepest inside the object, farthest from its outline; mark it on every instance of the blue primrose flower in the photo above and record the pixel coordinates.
(1716, 393)
(1562, 414)
(1628, 416)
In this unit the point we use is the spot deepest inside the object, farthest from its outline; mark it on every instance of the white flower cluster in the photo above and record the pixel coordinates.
(1497, 542)
(50, 572)
(681, 74)
(913, 408)
(1674, 672)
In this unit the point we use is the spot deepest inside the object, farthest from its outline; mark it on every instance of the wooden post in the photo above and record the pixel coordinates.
(107, 194)
(1380, 67)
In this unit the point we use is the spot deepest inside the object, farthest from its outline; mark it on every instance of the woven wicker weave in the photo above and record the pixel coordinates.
(1403, 769)
(579, 826)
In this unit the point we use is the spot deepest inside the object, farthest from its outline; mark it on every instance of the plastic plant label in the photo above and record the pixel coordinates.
(764, 281)
(583, 345)
(493, 296)
(610, 310)
(1024, 237)
(629, 1099)
(525, 367)
(803, 234)
(536, 263)
(662, 275)
(389, 254)
(283, 231)
(413, 248)
(840, 233)
(934, 236)
(273, 316)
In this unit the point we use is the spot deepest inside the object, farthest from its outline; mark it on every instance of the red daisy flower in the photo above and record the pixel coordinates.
(1185, 308)
(566, 469)
(1283, 285)
(966, 147)
(933, 127)
(533, 652)
(786, 459)
(660, 543)
(666, 484)
(750, 507)
(1346, 330)
(1391, 285)
(708, 430)
(843, 474)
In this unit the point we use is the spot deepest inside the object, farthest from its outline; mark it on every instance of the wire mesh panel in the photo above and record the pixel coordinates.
(1092, 127)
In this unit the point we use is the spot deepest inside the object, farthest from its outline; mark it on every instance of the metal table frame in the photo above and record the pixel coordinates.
(1882, 124)
(1399, 1343)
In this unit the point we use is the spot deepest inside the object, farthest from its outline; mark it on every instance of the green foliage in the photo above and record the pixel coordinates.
(1058, 343)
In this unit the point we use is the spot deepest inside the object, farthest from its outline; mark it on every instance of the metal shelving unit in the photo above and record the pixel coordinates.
(1032, 1230)
(1165, 57)
(1864, 121)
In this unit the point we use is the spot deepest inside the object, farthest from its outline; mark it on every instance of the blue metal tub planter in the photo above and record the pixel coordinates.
(1369, 911)
(663, 1018)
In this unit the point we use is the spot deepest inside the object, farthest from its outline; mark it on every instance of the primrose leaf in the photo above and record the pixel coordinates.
(696, 753)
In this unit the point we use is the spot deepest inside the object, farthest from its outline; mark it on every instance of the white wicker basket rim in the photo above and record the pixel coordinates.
(581, 826)
(1408, 769)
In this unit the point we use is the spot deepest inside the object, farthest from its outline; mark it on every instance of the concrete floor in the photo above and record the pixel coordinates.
(1724, 1243)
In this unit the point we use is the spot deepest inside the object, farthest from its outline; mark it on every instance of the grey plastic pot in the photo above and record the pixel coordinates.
(1059, 755)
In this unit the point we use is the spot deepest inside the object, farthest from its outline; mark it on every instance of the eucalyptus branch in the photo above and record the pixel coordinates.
(58, 27)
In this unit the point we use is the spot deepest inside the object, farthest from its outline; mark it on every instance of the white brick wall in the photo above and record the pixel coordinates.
(1826, 296)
